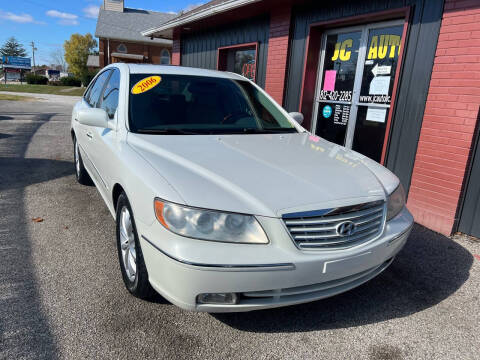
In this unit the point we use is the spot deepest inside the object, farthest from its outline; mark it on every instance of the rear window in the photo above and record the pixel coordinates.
(201, 105)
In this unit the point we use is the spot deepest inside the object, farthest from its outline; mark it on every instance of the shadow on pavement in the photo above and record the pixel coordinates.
(24, 328)
(428, 270)
(156, 298)
(21, 172)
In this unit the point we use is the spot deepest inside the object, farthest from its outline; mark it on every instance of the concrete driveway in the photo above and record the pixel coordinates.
(56, 99)
(61, 293)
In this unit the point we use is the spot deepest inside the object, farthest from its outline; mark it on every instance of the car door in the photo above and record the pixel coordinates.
(104, 140)
(80, 132)
(85, 133)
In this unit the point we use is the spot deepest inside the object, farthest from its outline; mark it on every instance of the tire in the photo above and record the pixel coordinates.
(130, 256)
(80, 171)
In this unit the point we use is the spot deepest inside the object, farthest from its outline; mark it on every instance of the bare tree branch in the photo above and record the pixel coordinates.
(57, 57)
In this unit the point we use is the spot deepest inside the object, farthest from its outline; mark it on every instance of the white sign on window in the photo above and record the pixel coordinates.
(377, 115)
(379, 85)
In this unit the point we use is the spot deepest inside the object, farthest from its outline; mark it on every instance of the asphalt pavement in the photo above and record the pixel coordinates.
(62, 296)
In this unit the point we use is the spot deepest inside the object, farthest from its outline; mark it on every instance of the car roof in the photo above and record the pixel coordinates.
(180, 70)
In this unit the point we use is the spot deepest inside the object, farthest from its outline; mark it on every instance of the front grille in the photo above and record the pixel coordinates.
(320, 229)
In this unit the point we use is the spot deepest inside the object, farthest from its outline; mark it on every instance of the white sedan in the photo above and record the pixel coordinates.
(222, 201)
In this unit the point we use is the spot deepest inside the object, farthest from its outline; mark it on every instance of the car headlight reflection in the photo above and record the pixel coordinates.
(236, 224)
(208, 224)
(174, 215)
(204, 221)
(395, 202)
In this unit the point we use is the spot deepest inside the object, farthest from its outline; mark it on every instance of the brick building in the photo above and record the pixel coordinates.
(398, 81)
(120, 39)
(442, 172)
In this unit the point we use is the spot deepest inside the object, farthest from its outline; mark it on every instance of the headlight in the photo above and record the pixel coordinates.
(209, 224)
(395, 202)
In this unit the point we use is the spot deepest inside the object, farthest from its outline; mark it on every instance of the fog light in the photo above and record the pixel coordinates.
(218, 298)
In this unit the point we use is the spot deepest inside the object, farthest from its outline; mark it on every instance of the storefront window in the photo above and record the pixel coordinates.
(338, 78)
(245, 62)
(381, 60)
(241, 59)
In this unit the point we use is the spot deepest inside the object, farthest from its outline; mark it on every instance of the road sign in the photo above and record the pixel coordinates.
(15, 62)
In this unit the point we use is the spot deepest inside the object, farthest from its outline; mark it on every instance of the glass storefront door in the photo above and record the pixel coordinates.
(355, 85)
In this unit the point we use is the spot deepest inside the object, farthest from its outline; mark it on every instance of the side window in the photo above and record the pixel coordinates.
(110, 95)
(88, 92)
(94, 96)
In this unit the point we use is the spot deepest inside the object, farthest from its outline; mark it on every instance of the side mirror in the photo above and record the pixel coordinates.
(93, 117)
(297, 116)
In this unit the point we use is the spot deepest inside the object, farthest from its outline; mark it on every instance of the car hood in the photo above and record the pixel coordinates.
(263, 174)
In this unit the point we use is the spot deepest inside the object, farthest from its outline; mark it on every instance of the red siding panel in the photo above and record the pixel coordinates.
(176, 49)
(277, 53)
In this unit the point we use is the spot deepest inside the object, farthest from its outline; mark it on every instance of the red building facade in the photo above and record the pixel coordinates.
(425, 55)
(450, 119)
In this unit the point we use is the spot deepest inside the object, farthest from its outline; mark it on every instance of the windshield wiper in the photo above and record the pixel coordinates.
(175, 131)
(166, 132)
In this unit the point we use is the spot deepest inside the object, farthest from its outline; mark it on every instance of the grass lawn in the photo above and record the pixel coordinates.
(16, 97)
(43, 89)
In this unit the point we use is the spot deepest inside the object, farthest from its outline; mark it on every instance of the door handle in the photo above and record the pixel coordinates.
(90, 135)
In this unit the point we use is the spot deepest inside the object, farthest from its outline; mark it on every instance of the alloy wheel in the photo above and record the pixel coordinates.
(77, 159)
(127, 244)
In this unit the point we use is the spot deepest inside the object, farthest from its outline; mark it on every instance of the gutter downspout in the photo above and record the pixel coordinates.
(108, 51)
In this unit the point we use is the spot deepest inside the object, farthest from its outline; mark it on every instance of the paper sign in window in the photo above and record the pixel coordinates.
(329, 82)
(377, 115)
(379, 85)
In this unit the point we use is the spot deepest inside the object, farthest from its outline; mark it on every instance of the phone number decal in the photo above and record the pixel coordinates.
(336, 95)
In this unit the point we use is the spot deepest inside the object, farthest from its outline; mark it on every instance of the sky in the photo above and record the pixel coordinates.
(50, 22)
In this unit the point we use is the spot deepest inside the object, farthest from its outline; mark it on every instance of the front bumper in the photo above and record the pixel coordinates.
(263, 276)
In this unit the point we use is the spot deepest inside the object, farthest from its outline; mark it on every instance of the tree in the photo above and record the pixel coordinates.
(77, 50)
(57, 58)
(13, 48)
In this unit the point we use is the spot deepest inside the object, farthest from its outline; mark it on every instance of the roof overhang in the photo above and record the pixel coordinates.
(146, 41)
(166, 30)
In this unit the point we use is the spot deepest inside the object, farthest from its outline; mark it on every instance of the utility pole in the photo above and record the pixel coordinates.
(32, 44)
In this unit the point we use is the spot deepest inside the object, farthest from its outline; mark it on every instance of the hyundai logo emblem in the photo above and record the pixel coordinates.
(346, 228)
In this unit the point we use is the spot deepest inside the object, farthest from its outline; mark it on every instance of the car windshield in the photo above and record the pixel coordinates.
(183, 104)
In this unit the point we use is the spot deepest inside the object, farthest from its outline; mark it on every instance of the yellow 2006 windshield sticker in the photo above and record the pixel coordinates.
(146, 84)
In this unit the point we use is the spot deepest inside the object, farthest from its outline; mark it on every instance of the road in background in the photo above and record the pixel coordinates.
(62, 296)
